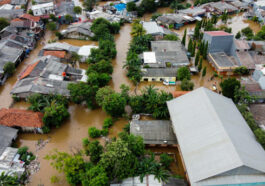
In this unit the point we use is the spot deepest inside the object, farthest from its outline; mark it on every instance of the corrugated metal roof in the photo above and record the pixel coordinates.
(214, 138)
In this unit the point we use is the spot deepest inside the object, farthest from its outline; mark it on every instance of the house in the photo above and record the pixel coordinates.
(78, 31)
(254, 89)
(36, 25)
(150, 180)
(156, 31)
(24, 42)
(19, 2)
(258, 111)
(47, 76)
(11, 14)
(20, 23)
(8, 54)
(174, 20)
(154, 132)
(162, 63)
(43, 9)
(4, 2)
(26, 120)
(65, 8)
(216, 144)
(239, 5)
(84, 51)
(221, 51)
(110, 17)
(259, 76)
(193, 11)
(219, 7)
(9, 162)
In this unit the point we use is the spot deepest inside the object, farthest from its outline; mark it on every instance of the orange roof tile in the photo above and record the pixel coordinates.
(28, 70)
(20, 118)
(16, 20)
(59, 54)
(3, 2)
(30, 17)
(176, 94)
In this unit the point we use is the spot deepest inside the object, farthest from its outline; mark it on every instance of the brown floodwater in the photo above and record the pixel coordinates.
(68, 137)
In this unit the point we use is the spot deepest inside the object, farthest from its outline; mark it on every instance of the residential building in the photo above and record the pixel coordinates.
(162, 63)
(19, 2)
(259, 76)
(78, 31)
(156, 31)
(26, 120)
(239, 5)
(174, 20)
(258, 111)
(11, 14)
(84, 51)
(219, 7)
(7, 137)
(100, 14)
(43, 9)
(254, 89)
(193, 11)
(149, 180)
(47, 76)
(154, 132)
(65, 8)
(217, 145)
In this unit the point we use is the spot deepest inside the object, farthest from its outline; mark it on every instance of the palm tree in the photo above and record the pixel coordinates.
(138, 30)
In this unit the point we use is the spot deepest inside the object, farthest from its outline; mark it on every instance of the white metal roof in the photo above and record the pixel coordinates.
(149, 57)
(85, 50)
(44, 5)
(152, 28)
(7, 7)
(215, 141)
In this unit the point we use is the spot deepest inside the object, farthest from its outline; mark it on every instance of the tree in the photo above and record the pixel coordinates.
(9, 180)
(131, 6)
(52, 26)
(205, 51)
(171, 37)
(9, 68)
(200, 65)
(186, 85)
(214, 19)
(30, 12)
(55, 115)
(114, 104)
(183, 41)
(248, 32)
(95, 176)
(94, 150)
(138, 30)
(197, 58)
(238, 35)
(93, 132)
(229, 87)
(148, 5)
(125, 92)
(82, 92)
(103, 66)
(75, 58)
(225, 17)
(204, 71)
(77, 10)
(3, 23)
(101, 93)
(193, 49)
(108, 48)
(108, 122)
(89, 4)
(165, 160)
(190, 46)
(69, 19)
(98, 79)
(260, 135)
(183, 73)
(242, 70)
(197, 30)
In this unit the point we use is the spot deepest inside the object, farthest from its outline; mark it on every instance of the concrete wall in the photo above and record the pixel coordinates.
(158, 79)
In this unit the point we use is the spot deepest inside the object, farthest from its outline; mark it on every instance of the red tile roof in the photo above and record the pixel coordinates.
(30, 17)
(16, 20)
(28, 70)
(3, 2)
(176, 94)
(59, 54)
(218, 33)
(20, 118)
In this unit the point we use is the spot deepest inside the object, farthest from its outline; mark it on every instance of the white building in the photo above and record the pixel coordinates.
(216, 143)
(43, 9)
(84, 51)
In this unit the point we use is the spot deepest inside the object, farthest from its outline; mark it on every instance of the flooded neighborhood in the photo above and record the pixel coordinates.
(132, 93)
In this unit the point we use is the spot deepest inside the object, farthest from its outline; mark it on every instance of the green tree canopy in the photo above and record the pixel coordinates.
(183, 73)
(77, 10)
(9, 68)
(229, 87)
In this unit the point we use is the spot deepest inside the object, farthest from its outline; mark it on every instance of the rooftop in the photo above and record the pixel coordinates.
(20, 118)
(154, 131)
(223, 60)
(59, 54)
(258, 111)
(159, 72)
(7, 136)
(218, 33)
(217, 145)
(30, 17)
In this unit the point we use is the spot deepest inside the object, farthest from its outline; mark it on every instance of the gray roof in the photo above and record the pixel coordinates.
(18, 2)
(172, 19)
(159, 72)
(7, 135)
(193, 11)
(154, 29)
(61, 46)
(216, 143)
(64, 8)
(154, 131)
(82, 28)
(170, 51)
(223, 60)
(11, 14)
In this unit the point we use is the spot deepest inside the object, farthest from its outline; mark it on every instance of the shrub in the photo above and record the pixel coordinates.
(183, 73)
(186, 85)
(105, 132)
(9, 68)
(22, 150)
(93, 132)
(241, 70)
(165, 160)
(108, 122)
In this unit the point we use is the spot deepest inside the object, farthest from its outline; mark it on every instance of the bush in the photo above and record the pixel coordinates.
(52, 26)
(22, 150)
(260, 135)
(9, 68)
(108, 122)
(93, 132)
(165, 160)
(183, 73)
(241, 70)
(59, 35)
(126, 128)
(105, 132)
(186, 85)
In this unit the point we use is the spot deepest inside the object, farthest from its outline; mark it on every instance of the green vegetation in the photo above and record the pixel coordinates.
(9, 180)
(3, 23)
(54, 108)
(69, 19)
(171, 37)
(94, 132)
(183, 41)
(165, 160)
(204, 71)
(25, 156)
(120, 158)
(241, 70)
(9, 68)
(186, 85)
(183, 73)
(229, 87)
(52, 26)
(89, 4)
(77, 10)
(247, 32)
(131, 6)
(238, 35)
(151, 102)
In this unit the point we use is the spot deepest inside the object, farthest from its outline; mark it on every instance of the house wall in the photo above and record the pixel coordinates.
(32, 129)
(158, 79)
(76, 35)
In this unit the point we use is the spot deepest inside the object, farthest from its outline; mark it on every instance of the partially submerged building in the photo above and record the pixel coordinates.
(44, 9)
(216, 143)
(47, 76)
(78, 31)
(154, 132)
(26, 120)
